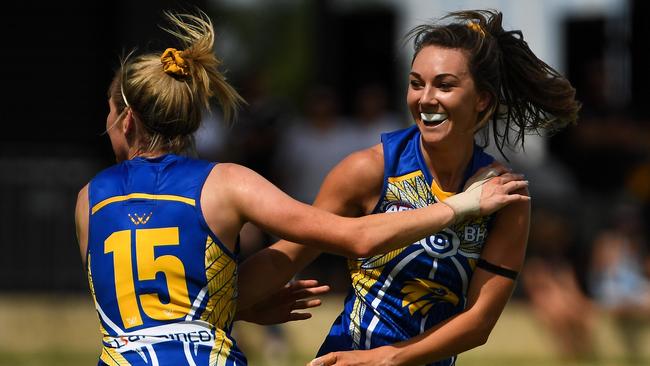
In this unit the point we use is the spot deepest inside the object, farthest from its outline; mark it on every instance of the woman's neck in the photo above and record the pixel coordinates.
(139, 152)
(447, 166)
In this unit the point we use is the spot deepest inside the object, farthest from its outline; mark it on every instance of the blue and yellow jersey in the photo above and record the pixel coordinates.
(398, 295)
(164, 286)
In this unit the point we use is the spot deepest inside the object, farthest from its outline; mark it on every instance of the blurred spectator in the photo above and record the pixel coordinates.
(637, 182)
(250, 141)
(210, 139)
(372, 116)
(617, 277)
(254, 137)
(316, 141)
(313, 144)
(550, 281)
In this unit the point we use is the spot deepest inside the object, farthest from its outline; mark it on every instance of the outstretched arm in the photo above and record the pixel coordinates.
(487, 296)
(242, 195)
(256, 200)
(278, 263)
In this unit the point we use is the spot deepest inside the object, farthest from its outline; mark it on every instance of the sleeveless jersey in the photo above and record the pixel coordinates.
(398, 295)
(164, 286)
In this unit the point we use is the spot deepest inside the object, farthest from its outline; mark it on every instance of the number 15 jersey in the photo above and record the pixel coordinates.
(164, 286)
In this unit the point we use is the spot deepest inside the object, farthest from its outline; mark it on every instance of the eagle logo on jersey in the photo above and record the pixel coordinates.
(420, 295)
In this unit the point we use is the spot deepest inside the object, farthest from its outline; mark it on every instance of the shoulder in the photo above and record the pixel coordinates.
(230, 172)
(515, 216)
(362, 166)
(399, 135)
(229, 179)
(354, 185)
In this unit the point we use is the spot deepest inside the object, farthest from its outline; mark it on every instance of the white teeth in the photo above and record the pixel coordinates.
(433, 117)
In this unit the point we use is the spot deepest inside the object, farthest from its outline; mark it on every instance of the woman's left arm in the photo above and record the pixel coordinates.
(487, 296)
(81, 222)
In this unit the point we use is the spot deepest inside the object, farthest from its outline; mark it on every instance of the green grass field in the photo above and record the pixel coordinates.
(64, 331)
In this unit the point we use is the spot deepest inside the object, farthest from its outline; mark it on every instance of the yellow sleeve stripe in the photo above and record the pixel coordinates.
(160, 197)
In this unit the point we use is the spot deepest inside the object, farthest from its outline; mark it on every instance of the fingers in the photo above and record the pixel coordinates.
(328, 359)
(300, 284)
(299, 316)
(306, 304)
(512, 198)
(498, 167)
(485, 174)
(515, 185)
(509, 177)
(300, 305)
(310, 292)
(494, 169)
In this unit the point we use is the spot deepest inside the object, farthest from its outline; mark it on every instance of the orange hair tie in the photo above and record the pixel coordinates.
(173, 63)
(476, 28)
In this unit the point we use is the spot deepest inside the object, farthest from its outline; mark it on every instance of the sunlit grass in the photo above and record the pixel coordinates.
(48, 358)
(64, 331)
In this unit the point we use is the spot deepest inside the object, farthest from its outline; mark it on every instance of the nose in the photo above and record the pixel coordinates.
(428, 97)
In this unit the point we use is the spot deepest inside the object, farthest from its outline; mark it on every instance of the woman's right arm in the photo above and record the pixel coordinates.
(246, 196)
(281, 261)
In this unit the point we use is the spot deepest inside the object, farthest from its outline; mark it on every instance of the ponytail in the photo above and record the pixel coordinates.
(197, 36)
(168, 92)
(534, 97)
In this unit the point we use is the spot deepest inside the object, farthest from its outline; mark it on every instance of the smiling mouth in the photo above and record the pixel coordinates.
(433, 119)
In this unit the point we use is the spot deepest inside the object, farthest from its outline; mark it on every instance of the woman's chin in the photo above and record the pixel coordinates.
(433, 133)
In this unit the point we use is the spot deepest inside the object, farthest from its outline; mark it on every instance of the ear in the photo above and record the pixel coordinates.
(128, 122)
(484, 99)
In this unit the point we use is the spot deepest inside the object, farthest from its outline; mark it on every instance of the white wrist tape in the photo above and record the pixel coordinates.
(468, 202)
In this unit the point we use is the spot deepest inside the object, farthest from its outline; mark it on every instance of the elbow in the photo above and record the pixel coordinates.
(363, 240)
(363, 251)
(481, 338)
(482, 332)
(476, 337)
(361, 245)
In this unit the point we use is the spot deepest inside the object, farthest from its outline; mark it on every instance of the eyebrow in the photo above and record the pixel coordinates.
(438, 77)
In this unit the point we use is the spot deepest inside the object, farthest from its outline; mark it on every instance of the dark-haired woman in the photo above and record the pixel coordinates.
(442, 295)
